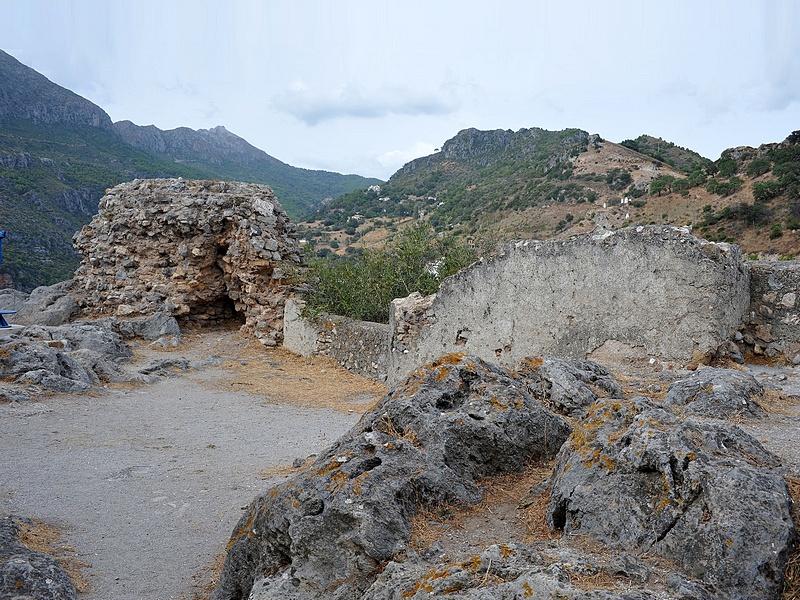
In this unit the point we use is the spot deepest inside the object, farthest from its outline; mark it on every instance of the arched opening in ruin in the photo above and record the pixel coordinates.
(214, 304)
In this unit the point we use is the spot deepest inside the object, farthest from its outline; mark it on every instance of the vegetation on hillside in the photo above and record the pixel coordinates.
(460, 188)
(679, 158)
(362, 286)
(51, 177)
(498, 185)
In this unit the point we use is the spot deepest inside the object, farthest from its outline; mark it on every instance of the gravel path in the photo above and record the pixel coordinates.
(147, 483)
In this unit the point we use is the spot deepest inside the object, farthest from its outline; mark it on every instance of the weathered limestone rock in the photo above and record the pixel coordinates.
(658, 288)
(26, 574)
(569, 387)
(200, 251)
(48, 305)
(701, 493)
(324, 533)
(74, 357)
(718, 394)
(519, 571)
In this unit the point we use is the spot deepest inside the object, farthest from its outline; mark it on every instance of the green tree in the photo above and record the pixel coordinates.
(727, 166)
(361, 287)
(758, 166)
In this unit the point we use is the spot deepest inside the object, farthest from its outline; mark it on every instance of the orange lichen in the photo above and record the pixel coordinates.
(425, 583)
(338, 481)
(243, 530)
(527, 590)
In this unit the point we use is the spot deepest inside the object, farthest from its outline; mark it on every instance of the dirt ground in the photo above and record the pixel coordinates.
(136, 488)
(144, 484)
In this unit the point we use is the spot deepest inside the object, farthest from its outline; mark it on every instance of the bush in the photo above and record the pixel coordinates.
(758, 166)
(763, 191)
(363, 286)
(727, 167)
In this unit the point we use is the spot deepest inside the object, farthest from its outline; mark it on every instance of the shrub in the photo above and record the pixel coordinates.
(763, 191)
(362, 287)
(758, 166)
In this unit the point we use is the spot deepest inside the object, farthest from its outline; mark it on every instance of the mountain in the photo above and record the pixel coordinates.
(59, 152)
(532, 183)
(27, 95)
(227, 156)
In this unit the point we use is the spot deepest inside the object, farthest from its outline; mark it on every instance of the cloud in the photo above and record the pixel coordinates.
(313, 107)
(397, 158)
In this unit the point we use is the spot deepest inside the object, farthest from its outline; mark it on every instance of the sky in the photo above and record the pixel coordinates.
(365, 86)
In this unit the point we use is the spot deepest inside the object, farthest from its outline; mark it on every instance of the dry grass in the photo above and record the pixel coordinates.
(791, 583)
(508, 513)
(206, 579)
(277, 374)
(46, 539)
(287, 378)
(774, 401)
(285, 470)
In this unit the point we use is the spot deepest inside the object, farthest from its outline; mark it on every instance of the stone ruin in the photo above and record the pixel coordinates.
(202, 251)
(654, 292)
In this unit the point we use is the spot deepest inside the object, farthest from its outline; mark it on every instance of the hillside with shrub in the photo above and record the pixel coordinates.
(499, 185)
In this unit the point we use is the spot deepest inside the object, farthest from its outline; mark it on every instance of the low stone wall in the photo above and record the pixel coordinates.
(772, 327)
(657, 291)
(359, 346)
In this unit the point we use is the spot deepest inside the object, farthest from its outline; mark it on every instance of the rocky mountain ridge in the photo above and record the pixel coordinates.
(60, 152)
(26, 94)
(500, 185)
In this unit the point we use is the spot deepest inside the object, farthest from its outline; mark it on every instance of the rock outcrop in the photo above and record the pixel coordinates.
(26, 574)
(77, 356)
(701, 493)
(679, 506)
(47, 305)
(326, 532)
(202, 251)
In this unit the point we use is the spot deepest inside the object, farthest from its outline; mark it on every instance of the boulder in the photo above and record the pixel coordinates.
(570, 387)
(511, 571)
(32, 363)
(718, 394)
(699, 492)
(326, 532)
(26, 574)
(159, 327)
(48, 305)
(78, 335)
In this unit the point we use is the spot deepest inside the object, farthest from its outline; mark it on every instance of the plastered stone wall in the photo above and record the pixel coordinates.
(201, 251)
(359, 346)
(772, 327)
(656, 290)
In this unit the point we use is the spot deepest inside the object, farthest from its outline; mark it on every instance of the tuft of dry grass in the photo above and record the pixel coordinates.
(774, 401)
(286, 470)
(516, 515)
(791, 576)
(206, 579)
(47, 539)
